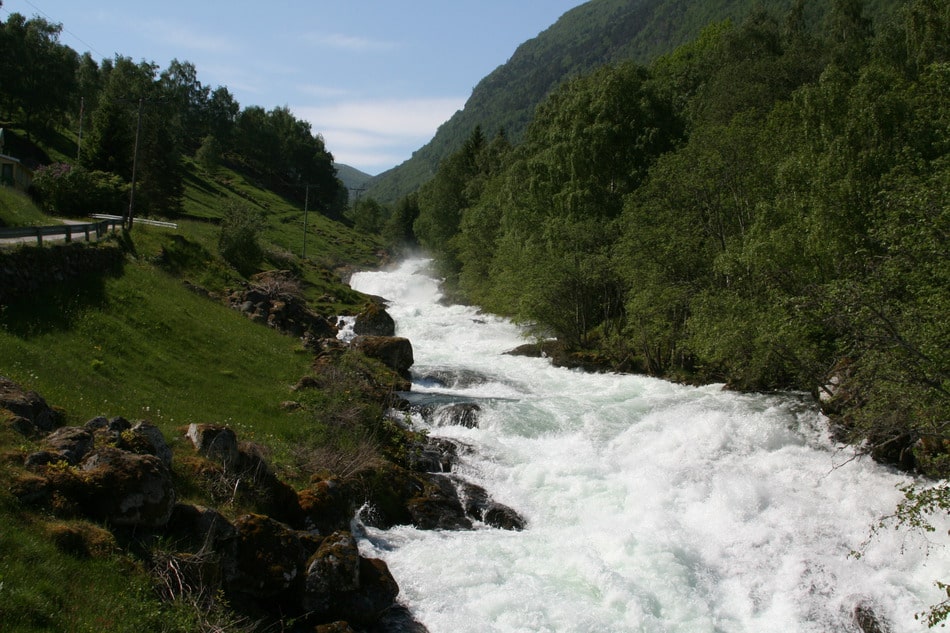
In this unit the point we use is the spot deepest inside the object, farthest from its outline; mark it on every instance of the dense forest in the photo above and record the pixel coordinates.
(118, 108)
(766, 206)
(595, 33)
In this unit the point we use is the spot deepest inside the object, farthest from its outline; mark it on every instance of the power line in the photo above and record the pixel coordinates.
(64, 29)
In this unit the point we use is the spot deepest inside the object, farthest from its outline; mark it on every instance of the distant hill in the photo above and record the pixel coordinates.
(593, 34)
(352, 177)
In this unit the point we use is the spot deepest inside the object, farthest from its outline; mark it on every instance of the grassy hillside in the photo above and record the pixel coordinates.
(157, 342)
(16, 209)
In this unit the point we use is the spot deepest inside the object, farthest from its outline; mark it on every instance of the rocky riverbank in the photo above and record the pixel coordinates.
(277, 553)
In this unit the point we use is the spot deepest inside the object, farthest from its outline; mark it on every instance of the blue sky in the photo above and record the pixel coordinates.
(375, 77)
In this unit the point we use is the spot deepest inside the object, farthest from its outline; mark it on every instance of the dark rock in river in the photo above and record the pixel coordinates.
(374, 321)
(459, 414)
(454, 378)
(479, 506)
(438, 507)
(393, 351)
(867, 620)
(435, 455)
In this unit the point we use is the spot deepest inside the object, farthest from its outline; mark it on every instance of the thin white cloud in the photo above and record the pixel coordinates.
(376, 135)
(398, 118)
(183, 36)
(351, 43)
(323, 92)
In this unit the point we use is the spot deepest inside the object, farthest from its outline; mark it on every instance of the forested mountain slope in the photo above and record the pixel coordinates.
(589, 36)
(766, 206)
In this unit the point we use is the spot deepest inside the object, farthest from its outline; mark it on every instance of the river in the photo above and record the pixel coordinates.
(651, 506)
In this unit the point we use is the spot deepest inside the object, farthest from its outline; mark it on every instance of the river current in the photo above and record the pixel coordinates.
(650, 506)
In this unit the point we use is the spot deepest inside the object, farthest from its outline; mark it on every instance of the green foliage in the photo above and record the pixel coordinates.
(368, 215)
(74, 191)
(758, 208)
(397, 231)
(613, 31)
(239, 239)
(41, 96)
(208, 154)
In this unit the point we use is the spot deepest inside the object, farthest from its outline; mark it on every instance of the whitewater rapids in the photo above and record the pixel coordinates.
(651, 507)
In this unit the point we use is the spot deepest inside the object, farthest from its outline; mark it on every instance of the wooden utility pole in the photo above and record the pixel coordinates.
(135, 162)
(306, 208)
(82, 111)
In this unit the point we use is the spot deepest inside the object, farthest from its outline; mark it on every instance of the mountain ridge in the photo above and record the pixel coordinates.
(593, 34)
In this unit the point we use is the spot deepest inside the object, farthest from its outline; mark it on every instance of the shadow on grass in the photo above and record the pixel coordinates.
(53, 308)
(48, 288)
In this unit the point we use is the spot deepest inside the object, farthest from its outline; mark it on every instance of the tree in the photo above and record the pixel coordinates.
(189, 99)
(132, 105)
(44, 94)
(368, 215)
(590, 145)
(221, 114)
(397, 231)
(239, 238)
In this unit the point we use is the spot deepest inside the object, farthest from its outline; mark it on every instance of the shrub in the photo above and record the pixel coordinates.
(75, 191)
(239, 242)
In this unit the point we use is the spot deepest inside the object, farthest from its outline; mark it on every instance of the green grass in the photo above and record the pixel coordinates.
(16, 209)
(144, 344)
(329, 243)
(45, 589)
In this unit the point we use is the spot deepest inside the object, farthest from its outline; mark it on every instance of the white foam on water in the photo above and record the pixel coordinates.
(651, 506)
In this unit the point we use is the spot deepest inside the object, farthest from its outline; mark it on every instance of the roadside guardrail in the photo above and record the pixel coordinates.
(169, 225)
(88, 229)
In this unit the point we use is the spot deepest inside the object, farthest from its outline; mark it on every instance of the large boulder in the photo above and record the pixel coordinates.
(269, 559)
(202, 526)
(149, 439)
(70, 443)
(438, 507)
(333, 569)
(342, 585)
(124, 488)
(376, 594)
(374, 321)
(393, 351)
(429, 501)
(30, 412)
(327, 505)
(276, 298)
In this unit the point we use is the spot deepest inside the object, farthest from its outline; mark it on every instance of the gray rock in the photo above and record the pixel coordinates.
(28, 404)
(72, 443)
(128, 489)
(153, 436)
(214, 442)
